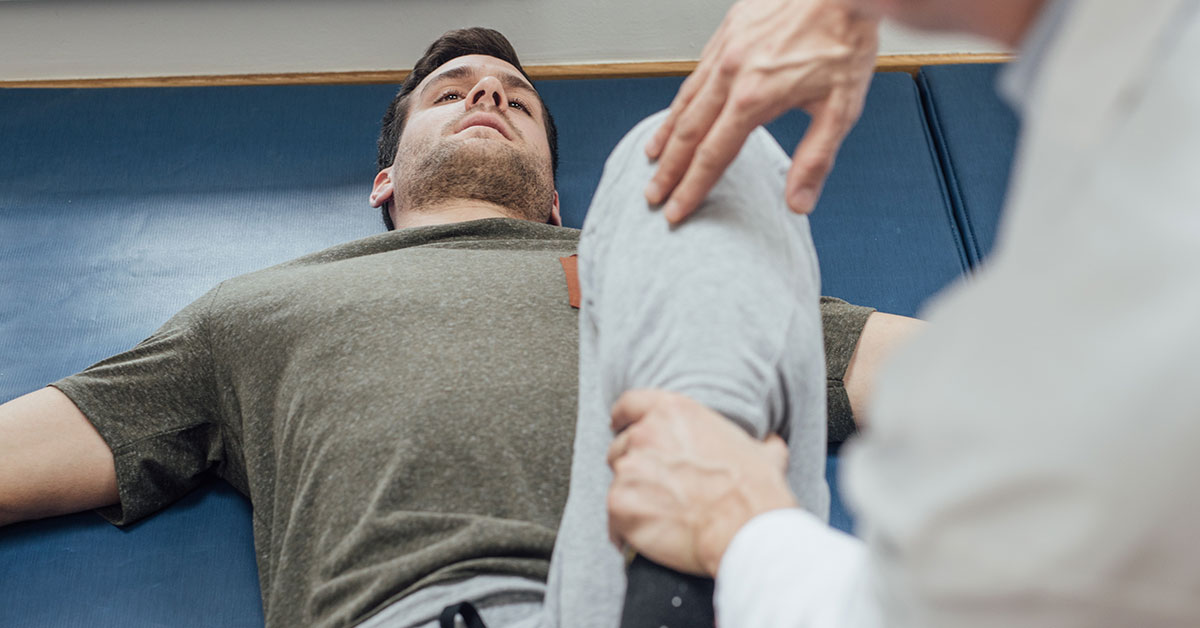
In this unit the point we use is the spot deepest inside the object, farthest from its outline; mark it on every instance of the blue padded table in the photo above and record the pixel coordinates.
(976, 135)
(120, 206)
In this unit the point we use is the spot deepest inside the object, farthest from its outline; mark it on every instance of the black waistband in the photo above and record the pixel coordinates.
(468, 613)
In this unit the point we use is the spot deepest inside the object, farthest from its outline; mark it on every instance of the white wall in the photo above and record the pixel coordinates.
(58, 39)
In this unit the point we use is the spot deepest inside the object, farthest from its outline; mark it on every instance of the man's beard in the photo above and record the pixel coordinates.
(482, 170)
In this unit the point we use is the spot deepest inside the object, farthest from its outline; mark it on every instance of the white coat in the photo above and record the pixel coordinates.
(1034, 456)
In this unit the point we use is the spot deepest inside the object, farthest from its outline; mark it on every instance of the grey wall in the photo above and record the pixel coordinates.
(55, 39)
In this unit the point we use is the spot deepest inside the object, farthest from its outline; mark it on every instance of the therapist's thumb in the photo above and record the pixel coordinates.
(634, 405)
(776, 451)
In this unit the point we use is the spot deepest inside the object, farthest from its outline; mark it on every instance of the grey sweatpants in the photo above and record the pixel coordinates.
(723, 309)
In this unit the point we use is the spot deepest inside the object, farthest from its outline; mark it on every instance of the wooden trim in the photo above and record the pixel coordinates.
(887, 63)
(294, 78)
(913, 63)
(612, 70)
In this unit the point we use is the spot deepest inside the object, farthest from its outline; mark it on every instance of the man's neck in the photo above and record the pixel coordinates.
(446, 213)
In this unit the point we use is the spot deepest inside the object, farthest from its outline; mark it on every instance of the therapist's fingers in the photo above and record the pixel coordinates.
(692, 127)
(633, 406)
(714, 154)
(654, 148)
(817, 151)
(619, 446)
(687, 92)
(770, 56)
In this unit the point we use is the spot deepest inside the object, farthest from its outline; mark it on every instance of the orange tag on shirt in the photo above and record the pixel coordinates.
(571, 269)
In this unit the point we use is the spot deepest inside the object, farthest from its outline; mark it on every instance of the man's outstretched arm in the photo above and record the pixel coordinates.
(52, 460)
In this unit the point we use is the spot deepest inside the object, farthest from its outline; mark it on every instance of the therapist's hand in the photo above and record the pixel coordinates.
(685, 480)
(767, 57)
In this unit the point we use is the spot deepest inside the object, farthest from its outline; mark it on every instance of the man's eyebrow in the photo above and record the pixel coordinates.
(512, 81)
(507, 79)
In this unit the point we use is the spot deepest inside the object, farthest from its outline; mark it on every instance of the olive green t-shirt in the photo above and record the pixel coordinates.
(399, 410)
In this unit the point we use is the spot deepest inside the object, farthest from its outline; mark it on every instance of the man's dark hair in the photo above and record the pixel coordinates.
(452, 45)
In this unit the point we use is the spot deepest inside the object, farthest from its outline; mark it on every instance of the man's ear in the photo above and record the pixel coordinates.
(383, 190)
(555, 214)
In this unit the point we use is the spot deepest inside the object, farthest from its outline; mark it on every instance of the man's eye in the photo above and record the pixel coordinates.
(516, 104)
(448, 96)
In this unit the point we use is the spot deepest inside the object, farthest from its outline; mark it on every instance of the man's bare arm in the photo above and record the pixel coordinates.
(52, 460)
(881, 337)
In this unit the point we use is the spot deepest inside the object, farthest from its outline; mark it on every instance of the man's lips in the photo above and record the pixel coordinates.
(484, 119)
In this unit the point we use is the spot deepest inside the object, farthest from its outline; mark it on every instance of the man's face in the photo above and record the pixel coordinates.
(475, 130)
(477, 97)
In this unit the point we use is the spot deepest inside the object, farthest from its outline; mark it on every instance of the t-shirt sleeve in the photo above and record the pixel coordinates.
(156, 407)
(842, 324)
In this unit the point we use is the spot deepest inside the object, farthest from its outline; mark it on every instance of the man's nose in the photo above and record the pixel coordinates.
(487, 92)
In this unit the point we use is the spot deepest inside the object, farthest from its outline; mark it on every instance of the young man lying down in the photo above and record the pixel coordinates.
(401, 409)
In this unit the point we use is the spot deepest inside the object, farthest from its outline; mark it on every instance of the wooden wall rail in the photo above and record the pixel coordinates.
(887, 63)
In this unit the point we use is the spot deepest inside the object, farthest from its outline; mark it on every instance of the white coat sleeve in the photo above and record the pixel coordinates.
(788, 569)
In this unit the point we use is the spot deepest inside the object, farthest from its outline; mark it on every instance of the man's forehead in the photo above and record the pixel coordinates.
(475, 67)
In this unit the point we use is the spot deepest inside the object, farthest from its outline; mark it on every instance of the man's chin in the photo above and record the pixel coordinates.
(484, 168)
(484, 147)
(480, 132)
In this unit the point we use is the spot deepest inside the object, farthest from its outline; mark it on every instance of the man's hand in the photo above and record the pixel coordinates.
(685, 480)
(767, 57)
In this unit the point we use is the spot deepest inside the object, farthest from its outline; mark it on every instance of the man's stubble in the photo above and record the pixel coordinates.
(433, 176)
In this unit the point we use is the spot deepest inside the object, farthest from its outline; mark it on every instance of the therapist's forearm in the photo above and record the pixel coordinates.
(872, 9)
